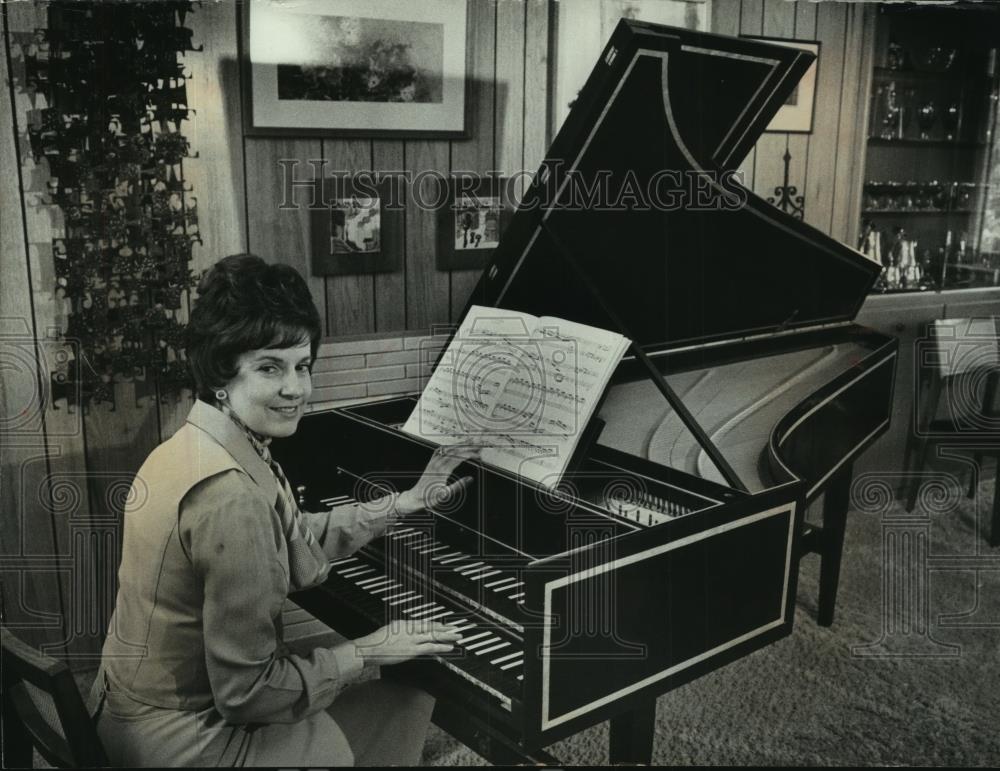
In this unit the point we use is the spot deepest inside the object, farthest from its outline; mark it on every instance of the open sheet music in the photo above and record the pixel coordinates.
(522, 386)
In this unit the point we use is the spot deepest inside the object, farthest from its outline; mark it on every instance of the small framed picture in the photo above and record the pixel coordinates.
(355, 225)
(349, 227)
(470, 225)
(795, 116)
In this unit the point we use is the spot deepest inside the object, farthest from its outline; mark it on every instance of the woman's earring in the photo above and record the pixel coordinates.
(221, 395)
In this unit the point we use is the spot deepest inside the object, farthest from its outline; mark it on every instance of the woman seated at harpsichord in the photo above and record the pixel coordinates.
(195, 670)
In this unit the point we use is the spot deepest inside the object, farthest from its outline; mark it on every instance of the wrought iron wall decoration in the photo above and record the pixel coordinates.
(788, 199)
(111, 133)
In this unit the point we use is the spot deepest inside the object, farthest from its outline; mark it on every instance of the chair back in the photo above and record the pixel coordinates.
(965, 355)
(965, 345)
(43, 709)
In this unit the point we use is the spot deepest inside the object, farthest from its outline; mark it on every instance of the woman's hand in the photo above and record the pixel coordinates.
(432, 488)
(403, 640)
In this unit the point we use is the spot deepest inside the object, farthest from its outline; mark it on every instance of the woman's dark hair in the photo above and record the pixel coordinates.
(245, 304)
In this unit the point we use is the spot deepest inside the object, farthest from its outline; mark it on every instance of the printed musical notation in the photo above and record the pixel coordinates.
(523, 387)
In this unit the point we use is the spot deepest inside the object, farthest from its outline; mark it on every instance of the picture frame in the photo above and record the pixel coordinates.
(471, 223)
(796, 115)
(582, 29)
(355, 68)
(356, 226)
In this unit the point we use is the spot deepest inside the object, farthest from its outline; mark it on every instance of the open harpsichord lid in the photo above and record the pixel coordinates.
(637, 190)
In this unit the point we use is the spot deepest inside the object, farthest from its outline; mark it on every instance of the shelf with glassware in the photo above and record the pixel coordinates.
(930, 128)
(910, 266)
(917, 142)
(932, 113)
(912, 197)
(921, 77)
(923, 233)
(920, 232)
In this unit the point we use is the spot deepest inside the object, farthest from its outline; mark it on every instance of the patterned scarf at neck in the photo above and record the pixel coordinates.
(308, 565)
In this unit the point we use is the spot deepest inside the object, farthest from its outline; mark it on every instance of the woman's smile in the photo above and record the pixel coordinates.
(271, 388)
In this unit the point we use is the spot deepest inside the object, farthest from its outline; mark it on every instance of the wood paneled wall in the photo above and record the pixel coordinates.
(64, 472)
(826, 165)
(507, 133)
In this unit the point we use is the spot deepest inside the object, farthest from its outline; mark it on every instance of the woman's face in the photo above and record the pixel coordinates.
(271, 387)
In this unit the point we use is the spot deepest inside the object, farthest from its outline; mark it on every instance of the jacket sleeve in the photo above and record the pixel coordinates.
(233, 539)
(343, 530)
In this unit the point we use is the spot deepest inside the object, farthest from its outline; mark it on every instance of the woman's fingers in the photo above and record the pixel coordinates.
(457, 488)
(402, 640)
(418, 627)
(447, 639)
(466, 450)
(447, 492)
(434, 637)
(436, 627)
(436, 648)
(445, 632)
(454, 454)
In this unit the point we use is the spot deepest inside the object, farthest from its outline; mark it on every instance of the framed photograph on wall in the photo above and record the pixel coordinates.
(795, 116)
(372, 68)
(582, 28)
(353, 229)
(470, 225)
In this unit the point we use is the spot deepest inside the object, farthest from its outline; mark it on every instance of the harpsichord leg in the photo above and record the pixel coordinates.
(631, 739)
(835, 505)
(922, 441)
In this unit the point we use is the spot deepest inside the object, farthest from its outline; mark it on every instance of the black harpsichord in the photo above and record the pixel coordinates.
(673, 547)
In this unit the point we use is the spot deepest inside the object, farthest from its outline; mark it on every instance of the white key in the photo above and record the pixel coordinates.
(481, 576)
(506, 657)
(355, 572)
(513, 664)
(470, 573)
(411, 611)
(449, 554)
(454, 559)
(517, 596)
(508, 588)
(501, 582)
(492, 648)
(343, 561)
(431, 550)
(423, 613)
(481, 643)
(403, 597)
(462, 568)
(373, 581)
(463, 626)
(385, 583)
(441, 615)
(464, 640)
(401, 531)
(391, 587)
(407, 536)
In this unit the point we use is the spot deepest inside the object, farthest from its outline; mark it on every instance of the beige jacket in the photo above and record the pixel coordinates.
(203, 576)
